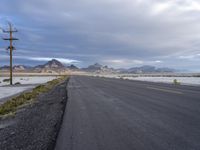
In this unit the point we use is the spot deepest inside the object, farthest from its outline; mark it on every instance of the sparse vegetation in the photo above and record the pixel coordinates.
(14, 103)
(17, 83)
(175, 81)
(6, 80)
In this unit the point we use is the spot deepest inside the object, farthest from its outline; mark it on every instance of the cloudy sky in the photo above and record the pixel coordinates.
(118, 33)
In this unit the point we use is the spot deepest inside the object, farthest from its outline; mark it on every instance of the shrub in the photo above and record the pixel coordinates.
(6, 80)
(176, 82)
(17, 83)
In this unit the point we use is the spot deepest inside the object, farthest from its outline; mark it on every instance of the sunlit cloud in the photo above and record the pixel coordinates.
(190, 57)
(43, 59)
(159, 8)
(158, 61)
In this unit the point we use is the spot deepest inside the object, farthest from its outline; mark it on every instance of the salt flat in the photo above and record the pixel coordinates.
(27, 79)
(26, 83)
(12, 90)
(182, 80)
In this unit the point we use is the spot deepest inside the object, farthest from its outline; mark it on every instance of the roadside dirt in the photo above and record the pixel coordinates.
(35, 127)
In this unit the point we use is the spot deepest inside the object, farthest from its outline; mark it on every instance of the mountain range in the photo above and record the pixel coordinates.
(147, 69)
(56, 66)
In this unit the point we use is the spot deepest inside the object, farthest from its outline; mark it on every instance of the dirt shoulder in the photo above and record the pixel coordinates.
(35, 127)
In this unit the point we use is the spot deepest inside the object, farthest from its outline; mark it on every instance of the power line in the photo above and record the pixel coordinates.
(10, 31)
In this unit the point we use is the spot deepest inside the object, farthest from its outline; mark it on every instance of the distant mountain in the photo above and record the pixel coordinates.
(53, 64)
(72, 67)
(165, 70)
(49, 67)
(147, 69)
(98, 68)
(56, 66)
(142, 69)
(5, 67)
(93, 67)
(16, 68)
(21, 67)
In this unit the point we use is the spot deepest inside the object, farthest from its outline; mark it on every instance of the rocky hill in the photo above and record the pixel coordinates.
(53, 64)
(98, 68)
(72, 67)
(16, 68)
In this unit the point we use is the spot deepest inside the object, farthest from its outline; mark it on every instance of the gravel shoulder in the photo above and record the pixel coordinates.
(35, 127)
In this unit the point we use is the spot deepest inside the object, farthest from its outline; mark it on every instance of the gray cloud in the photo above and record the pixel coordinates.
(106, 31)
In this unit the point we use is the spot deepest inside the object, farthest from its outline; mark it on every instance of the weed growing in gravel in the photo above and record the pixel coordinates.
(6, 80)
(14, 103)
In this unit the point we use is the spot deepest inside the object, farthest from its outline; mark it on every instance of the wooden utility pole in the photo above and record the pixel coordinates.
(11, 47)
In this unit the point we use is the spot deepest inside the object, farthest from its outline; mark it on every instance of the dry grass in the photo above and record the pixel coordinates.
(11, 105)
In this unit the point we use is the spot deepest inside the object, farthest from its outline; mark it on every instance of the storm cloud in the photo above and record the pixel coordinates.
(119, 33)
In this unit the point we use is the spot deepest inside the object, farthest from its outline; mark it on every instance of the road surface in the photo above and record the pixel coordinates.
(115, 114)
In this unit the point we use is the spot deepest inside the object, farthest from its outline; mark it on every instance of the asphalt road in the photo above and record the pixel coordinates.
(114, 114)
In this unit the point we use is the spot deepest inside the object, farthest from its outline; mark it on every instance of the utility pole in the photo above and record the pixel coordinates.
(11, 47)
